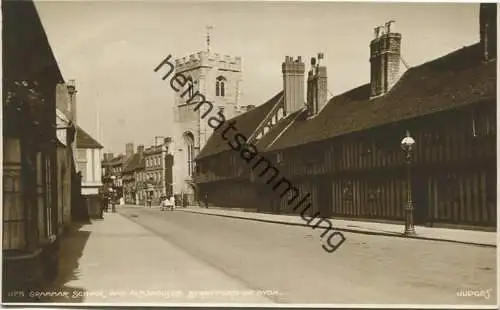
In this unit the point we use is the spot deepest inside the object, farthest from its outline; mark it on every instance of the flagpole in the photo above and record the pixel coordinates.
(98, 118)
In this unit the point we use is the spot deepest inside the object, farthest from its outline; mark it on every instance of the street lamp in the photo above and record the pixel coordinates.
(407, 145)
(113, 178)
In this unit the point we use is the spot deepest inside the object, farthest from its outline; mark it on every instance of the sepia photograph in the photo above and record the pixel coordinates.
(249, 153)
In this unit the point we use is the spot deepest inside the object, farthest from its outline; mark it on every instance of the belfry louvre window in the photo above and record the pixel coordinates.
(191, 86)
(220, 86)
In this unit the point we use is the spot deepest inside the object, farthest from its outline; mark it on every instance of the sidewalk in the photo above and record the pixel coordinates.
(427, 233)
(115, 260)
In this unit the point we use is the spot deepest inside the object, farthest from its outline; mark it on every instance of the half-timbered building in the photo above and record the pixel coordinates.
(34, 201)
(346, 154)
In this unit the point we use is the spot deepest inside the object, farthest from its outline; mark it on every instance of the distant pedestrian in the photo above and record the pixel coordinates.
(205, 198)
(113, 204)
(172, 202)
(106, 202)
(164, 203)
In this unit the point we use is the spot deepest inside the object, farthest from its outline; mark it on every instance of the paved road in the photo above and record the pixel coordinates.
(291, 261)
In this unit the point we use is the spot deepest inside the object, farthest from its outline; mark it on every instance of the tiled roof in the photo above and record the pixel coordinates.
(452, 81)
(141, 164)
(85, 141)
(245, 124)
(26, 51)
(134, 163)
(117, 159)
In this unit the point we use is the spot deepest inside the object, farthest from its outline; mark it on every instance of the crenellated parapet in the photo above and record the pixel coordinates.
(207, 59)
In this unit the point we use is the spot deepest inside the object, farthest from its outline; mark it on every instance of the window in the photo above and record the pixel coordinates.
(190, 88)
(220, 87)
(483, 123)
(13, 211)
(189, 141)
(347, 190)
(279, 157)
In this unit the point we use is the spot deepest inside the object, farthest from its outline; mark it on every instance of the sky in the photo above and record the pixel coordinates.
(112, 47)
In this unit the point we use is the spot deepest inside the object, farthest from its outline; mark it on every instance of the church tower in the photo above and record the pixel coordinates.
(218, 78)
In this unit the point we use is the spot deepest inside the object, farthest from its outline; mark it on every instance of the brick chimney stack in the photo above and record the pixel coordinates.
(488, 29)
(385, 57)
(129, 149)
(140, 151)
(317, 87)
(293, 84)
(167, 141)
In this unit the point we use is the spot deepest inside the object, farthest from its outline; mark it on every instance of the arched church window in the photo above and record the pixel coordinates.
(220, 87)
(190, 87)
(189, 141)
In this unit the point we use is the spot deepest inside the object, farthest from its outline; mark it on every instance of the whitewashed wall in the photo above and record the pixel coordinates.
(91, 162)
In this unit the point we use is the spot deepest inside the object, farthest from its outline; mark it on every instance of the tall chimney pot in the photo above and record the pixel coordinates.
(293, 84)
(385, 57)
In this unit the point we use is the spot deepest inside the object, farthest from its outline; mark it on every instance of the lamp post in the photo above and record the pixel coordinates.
(71, 87)
(149, 191)
(407, 145)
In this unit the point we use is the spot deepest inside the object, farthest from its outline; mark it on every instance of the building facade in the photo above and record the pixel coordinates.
(140, 181)
(158, 171)
(132, 178)
(113, 168)
(88, 163)
(64, 165)
(66, 135)
(216, 77)
(88, 159)
(344, 154)
(33, 154)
